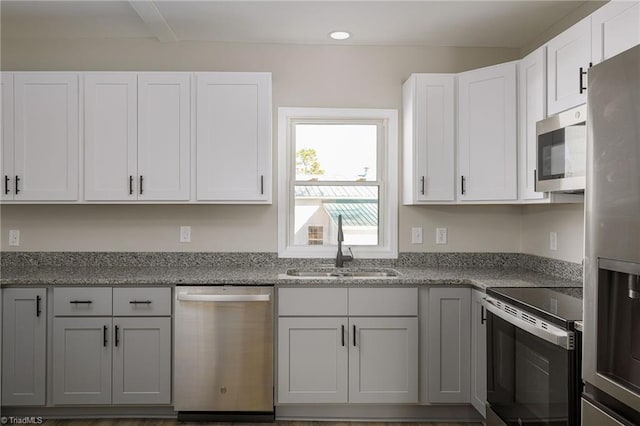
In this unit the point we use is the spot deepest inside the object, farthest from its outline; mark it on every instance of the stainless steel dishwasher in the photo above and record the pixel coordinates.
(223, 348)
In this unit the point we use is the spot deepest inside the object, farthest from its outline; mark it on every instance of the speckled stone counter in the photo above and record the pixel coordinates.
(476, 277)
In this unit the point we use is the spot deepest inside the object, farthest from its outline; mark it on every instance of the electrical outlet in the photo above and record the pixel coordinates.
(416, 235)
(185, 234)
(553, 240)
(441, 235)
(14, 237)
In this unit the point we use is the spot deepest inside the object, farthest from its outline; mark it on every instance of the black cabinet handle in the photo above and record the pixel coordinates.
(140, 302)
(88, 302)
(104, 336)
(130, 185)
(17, 184)
(422, 185)
(342, 335)
(117, 339)
(483, 318)
(6, 184)
(261, 184)
(582, 74)
(463, 190)
(354, 334)
(535, 180)
(38, 311)
(141, 179)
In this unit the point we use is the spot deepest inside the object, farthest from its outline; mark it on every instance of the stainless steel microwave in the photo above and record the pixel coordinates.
(562, 151)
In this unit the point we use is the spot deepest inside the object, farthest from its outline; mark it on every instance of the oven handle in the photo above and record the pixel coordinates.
(187, 297)
(553, 334)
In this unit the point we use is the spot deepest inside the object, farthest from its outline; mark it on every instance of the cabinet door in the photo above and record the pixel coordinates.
(82, 360)
(234, 136)
(568, 54)
(110, 141)
(429, 141)
(487, 134)
(615, 27)
(46, 136)
(531, 99)
(312, 360)
(164, 144)
(383, 360)
(478, 353)
(142, 361)
(6, 136)
(449, 351)
(24, 316)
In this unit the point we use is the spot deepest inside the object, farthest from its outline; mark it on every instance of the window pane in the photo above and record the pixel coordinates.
(339, 152)
(317, 209)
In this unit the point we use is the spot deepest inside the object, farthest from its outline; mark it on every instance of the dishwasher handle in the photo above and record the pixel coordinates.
(188, 297)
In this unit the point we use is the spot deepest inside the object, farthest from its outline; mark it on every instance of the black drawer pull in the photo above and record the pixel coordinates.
(88, 302)
(38, 311)
(463, 190)
(483, 318)
(140, 302)
(6, 184)
(261, 184)
(104, 336)
(17, 185)
(117, 338)
(130, 185)
(141, 180)
(342, 334)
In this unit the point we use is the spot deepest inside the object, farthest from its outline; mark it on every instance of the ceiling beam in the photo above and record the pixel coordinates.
(153, 19)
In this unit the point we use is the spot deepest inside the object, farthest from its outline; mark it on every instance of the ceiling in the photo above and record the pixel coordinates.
(433, 23)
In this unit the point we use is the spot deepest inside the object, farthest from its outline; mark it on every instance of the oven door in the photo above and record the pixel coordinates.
(530, 381)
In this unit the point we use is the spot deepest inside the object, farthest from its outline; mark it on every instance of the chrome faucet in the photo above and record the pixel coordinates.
(341, 258)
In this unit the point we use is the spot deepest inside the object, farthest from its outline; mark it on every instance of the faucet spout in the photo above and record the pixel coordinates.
(340, 257)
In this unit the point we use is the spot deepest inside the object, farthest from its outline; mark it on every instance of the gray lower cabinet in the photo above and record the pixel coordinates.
(142, 360)
(448, 348)
(313, 360)
(82, 360)
(383, 360)
(100, 358)
(24, 343)
(478, 353)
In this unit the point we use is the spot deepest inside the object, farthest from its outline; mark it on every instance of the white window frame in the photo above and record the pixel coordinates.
(388, 197)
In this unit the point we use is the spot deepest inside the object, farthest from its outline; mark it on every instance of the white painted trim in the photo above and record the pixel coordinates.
(388, 188)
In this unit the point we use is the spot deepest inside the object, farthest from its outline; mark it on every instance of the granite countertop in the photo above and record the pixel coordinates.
(480, 278)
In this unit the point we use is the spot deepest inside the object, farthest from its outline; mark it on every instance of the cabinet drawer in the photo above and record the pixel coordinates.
(392, 301)
(312, 301)
(82, 301)
(141, 301)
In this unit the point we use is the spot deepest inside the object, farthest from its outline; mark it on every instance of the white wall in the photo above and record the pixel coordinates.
(303, 76)
(567, 220)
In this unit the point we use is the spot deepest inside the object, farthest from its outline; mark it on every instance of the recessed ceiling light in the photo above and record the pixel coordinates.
(339, 35)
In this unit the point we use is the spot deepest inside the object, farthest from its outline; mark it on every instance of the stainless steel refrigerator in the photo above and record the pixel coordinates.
(611, 355)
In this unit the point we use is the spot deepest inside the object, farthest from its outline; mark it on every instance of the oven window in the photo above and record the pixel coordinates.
(528, 378)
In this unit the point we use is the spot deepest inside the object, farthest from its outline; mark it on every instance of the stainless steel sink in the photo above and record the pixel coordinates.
(341, 273)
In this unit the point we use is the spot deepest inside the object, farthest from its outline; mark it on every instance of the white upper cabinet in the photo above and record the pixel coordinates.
(429, 138)
(46, 136)
(615, 27)
(531, 101)
(233, 137)
(110, 136)
(164, 136)
(137, 136)
(6, 135)
(568, 60)
(487, 134)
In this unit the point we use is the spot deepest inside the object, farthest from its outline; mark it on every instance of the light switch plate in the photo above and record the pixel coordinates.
(14, 237)
(553, 241)
(416, 235)
(441, 235)
(185, 234)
